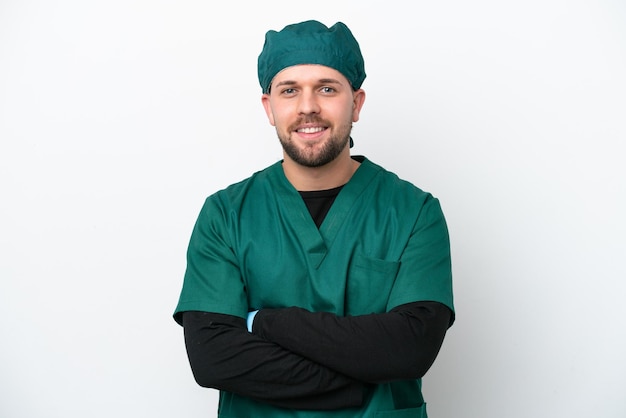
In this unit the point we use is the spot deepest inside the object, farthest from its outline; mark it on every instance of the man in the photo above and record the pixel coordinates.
(320, 286)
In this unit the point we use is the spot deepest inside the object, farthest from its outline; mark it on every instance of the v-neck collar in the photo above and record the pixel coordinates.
(344, 204)
(314, 241)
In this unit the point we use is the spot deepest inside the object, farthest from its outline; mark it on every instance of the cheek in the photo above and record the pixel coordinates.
(277, 116)
(280, 118)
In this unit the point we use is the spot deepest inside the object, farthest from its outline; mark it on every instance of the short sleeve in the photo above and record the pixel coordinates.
(425, 272)
(212, 281)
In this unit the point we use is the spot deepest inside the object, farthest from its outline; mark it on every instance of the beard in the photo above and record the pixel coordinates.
(309, 155)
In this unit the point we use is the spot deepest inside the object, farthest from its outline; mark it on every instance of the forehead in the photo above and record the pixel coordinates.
(309, 73)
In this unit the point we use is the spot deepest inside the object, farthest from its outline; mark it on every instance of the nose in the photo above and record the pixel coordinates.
(307, 103)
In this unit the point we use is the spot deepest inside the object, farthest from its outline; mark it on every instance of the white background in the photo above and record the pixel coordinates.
(117, 119)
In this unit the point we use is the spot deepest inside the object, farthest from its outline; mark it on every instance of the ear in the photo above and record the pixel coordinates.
(265, 99)
(357, 103)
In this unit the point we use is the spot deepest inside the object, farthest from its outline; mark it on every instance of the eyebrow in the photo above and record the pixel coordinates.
(320, 81)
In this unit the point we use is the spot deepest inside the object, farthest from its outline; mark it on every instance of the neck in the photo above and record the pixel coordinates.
(334, 174)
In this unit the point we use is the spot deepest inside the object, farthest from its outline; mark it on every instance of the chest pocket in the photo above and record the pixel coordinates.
(369, 284)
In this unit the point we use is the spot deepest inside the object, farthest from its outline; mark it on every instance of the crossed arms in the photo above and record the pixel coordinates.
(294, 358)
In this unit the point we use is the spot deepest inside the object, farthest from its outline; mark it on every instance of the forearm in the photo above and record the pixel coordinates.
(223, 355)
(400, 344)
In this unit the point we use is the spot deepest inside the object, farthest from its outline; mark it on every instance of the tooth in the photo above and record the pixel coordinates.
(310, 130)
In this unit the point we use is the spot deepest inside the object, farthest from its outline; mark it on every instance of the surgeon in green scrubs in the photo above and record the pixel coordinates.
(320, 286)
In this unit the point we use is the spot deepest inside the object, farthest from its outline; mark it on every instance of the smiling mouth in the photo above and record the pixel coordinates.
(310, 130)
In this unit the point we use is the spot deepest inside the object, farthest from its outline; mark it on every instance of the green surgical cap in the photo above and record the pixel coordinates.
(311, 42)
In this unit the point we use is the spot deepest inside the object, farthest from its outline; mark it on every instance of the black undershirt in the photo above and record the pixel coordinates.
(306, 360)
(319, 202)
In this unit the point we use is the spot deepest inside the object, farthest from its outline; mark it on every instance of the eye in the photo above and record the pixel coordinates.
(288, 91)
(327, 90)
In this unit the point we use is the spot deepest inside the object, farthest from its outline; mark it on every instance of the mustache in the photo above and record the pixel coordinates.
(309, 119)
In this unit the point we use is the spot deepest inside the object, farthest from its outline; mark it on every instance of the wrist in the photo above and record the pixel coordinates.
(250, 319)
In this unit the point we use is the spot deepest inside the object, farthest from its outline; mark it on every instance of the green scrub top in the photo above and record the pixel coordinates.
(383, 243)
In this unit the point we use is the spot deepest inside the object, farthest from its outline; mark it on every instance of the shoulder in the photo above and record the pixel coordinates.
(235, 194)
(400, 198)
(389, 183)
